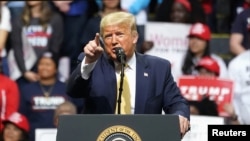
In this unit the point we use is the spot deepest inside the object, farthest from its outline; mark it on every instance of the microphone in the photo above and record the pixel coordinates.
(120, 55)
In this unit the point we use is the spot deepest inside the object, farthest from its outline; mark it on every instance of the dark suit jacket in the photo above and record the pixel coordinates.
(155, 87)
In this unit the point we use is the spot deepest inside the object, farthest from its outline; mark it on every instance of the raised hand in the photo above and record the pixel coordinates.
(93, 50)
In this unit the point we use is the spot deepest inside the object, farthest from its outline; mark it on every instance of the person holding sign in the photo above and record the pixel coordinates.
(207, 87)
(151, 85)
(206, 67)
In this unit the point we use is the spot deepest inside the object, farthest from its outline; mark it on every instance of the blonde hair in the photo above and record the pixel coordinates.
(119, 18)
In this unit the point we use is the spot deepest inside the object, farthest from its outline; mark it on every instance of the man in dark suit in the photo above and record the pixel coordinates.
(151, 84)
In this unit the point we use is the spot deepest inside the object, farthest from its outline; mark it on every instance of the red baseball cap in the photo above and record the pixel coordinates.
(186, 4)
(200, 30)
(209, 64)
(19, 120)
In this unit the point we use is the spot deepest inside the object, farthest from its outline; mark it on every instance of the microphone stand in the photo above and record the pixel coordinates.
(121, 85)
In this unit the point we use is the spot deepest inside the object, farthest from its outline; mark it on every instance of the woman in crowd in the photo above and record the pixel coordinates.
(198, 47)
(16, 128)
(39, 30)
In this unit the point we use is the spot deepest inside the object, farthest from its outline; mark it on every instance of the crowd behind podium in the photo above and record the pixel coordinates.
(40, 42)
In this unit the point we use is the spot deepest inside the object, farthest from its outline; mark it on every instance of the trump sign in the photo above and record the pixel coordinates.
(219, 90)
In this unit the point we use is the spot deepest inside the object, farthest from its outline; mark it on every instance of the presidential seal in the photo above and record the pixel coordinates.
(118, 133)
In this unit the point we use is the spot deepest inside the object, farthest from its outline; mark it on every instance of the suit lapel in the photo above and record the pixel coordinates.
(106, 80)
(142, 84)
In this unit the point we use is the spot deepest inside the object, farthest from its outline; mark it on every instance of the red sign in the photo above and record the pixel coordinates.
(195, 88)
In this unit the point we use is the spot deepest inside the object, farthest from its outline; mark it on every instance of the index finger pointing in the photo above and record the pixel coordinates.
(97, 39)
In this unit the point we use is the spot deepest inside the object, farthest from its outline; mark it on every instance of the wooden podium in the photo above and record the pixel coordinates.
(95, 127)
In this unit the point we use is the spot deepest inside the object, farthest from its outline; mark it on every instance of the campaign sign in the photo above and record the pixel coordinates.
(170, 42)
(196, 87)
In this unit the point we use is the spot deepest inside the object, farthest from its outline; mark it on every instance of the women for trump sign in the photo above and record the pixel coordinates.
(194, 88)
(170, 42)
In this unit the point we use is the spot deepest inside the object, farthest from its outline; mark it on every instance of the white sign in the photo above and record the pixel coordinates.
(45, 134)
(170, 42)
(199, 127)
